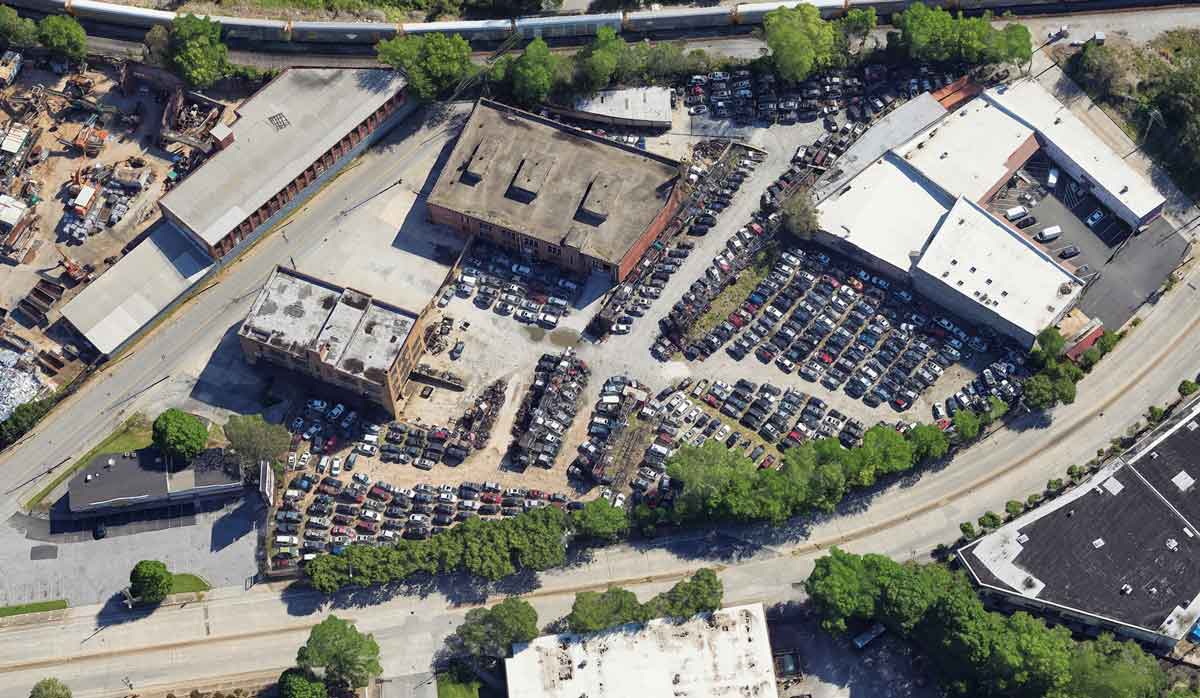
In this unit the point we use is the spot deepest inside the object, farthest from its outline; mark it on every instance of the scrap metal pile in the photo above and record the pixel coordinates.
(18, 384)
(548, 408)
(475, 426)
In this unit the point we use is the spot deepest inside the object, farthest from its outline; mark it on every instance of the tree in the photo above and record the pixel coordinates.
(1054, 484)
(50, 688)
(1016, 44)
(1187, 387)
(150, 581)
(967, 423)
(1014, 507)
(16, 30)
(23, 418)
(1039, 393)
(594, 611)
(1155, 414)
(800, 41)
(298, 683)
(800, 216)
(1090, 358)
(196, 50)
(600, 520)
(1108, 342)
(967, 529)
(860, 22)
(533, 73)
(841, 590)
(179, 434)
(598, 62)
(434, 64)
(928, 442)
(1108, 668)
(700, 593)
(990, 520)
(1051, 342)
(63, 35)
(1100, 68)
(491, 632)
(255, 440)
(929, 34)
(347, 656)
(156, 46)
(1064, 390)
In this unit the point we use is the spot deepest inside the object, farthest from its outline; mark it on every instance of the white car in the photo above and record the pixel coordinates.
(524, 315)
(723, 432)
(417, 518)
(304, 459)
(370, 515)
(698, 109)
(692, 415)
(619, 501)
(367, 449)
(335, 468)
(317, 405)
(622, 328)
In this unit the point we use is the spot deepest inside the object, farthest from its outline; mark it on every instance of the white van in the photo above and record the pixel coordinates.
(1048, 234)
(1052, 178)
(1016, 213)
(372, 439)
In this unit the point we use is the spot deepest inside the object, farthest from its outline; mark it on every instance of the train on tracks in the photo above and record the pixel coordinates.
(661, 22)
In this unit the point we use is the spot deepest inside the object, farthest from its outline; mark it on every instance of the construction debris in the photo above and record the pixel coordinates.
(475, 426)
(18, 384)
(547, 410)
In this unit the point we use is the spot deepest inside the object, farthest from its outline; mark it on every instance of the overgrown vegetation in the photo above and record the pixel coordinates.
(491, 550)
(24, 418)
(721, 484)
(595, 611)
(63, 35)
(15, 30)
(975, 652)
(934, 35)
(732, 297)
(1155, 90)
(434, 64)
(1055, 377)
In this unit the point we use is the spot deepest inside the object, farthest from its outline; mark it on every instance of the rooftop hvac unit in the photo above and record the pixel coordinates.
(1023, 539)
(1172, 544)
(1098, 543)
(1126, 589)
(1154, 455)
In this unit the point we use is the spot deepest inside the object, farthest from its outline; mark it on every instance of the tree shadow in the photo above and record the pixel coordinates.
(116, 612)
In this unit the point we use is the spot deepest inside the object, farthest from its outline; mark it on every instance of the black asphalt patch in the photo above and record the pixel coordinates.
(43, 552)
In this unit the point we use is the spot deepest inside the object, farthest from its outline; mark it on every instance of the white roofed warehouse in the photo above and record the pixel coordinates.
(711, 655)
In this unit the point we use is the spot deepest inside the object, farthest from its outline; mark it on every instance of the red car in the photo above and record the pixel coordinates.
(537, 494)
(826, 358)
(756, 229)
(368, 526)
(489, 498)
(736, 320)
(341, 531)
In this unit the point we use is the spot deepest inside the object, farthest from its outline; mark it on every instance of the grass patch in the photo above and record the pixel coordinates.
(35, 607)
(134, 434)
(188, 584)
(457, 685)
(733, 296)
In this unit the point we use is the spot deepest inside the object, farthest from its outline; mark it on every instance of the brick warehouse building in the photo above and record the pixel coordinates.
(555, 193)
(285, 137)
(334, 334)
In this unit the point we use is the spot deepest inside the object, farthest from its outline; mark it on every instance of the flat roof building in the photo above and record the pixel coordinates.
(1080, 152)
(554, 192)
(637, 107)
(156, 273)
(725, 653)
(285, 137)
(334, 334)
(987, 272)
(1118, 552)
(113, 482)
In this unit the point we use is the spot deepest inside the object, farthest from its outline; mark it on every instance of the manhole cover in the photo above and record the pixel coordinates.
(43, 552)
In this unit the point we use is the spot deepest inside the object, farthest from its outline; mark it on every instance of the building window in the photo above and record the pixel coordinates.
(554, 249)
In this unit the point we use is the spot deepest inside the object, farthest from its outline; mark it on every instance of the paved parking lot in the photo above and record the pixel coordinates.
(1122, 269)
(41, 564)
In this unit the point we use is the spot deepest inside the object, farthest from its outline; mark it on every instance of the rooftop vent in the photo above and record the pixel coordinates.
(1126, 589)
(1022, 539)
(972, 270)
(944, 155)
(1172, 544)
(1188, 532)
(1098, 543)
(1192, 426)
(1004, 293)
(1057, 120)
(988, 282)
(1154, 455)
(279, 121)
(953, 262)
(1125, 189)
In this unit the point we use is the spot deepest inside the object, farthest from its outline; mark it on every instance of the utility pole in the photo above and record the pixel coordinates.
(1155, 116)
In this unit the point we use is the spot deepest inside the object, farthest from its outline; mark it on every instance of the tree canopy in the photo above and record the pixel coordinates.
(598, 62)
(15, 30)
(975, 652)
(491, 632)
(928, 442)
(433, 63)
(196, 50)
(533, 73)
(347, 656)
(935, 35)
(600, 520)
(967, 424)
(800, 41)
(594, 611)
(179, 434)
(298, 683)
(255, 439)
(800, 215)
(50, 688)
(63, 35)
(150, 581)
(23, 418)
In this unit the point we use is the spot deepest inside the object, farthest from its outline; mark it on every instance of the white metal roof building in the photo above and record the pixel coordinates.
(287, 129)
(971, 151)
(643, 107)
(726, 653)
(1080, 152)
(131, 293)
(987, 272)
(884, 216)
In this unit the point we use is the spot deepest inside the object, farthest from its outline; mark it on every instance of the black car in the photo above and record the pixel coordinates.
(1026, 222)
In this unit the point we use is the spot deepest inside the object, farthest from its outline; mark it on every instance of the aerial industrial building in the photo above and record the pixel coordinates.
(287, 140)
(1117, 553)
(915, 210)
(633, 107)
(555, 193)
(120, 482)
(712, 655)
(336, 335)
